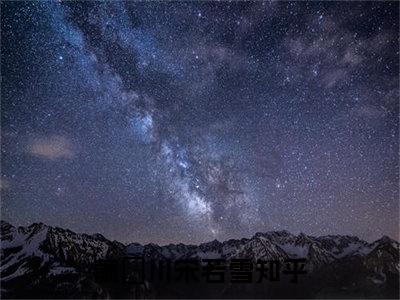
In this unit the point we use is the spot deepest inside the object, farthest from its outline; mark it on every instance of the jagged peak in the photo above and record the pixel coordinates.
(339, 237)
(37, 224)
(152, 245)
(5, 224)
(303, 238)
(98, 236)
(35, 227)
(385, 240)
(303, 235)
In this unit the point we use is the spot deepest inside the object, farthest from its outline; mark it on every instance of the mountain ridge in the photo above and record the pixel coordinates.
(46, 254)
(99, 235)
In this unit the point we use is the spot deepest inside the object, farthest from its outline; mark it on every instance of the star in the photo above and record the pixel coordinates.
(220, 120)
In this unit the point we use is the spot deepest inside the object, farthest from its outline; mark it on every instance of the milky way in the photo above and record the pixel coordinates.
(185, 122)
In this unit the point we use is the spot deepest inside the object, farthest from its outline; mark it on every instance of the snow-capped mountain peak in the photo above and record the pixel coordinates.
(46, 252)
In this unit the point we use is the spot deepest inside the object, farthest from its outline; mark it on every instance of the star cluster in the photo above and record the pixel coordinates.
(188, 121)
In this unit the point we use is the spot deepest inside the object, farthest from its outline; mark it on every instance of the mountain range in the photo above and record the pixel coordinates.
(41, 261)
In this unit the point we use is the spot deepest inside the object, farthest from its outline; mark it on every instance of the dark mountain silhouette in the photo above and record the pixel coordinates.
(41, 261)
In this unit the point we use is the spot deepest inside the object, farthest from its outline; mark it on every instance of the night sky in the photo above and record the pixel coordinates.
(172, 122)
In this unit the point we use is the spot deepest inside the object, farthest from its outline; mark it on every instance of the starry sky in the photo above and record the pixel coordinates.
(172, 122)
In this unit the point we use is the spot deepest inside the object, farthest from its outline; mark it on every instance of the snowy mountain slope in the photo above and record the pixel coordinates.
(60, 259)
(40, 252)
(269, 246)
